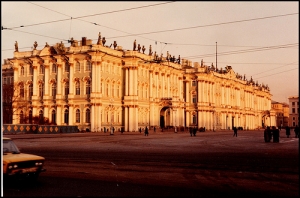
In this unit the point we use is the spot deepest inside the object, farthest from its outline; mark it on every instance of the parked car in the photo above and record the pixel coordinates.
(20, 165)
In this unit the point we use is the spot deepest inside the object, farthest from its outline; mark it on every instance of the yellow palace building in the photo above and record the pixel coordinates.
(99, 87)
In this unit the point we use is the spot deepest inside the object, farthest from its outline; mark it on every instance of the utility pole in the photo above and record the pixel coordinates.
(216, 57)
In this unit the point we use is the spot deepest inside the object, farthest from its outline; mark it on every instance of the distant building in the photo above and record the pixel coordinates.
(7, 92)
(282, 113)
(98, 87)
(294, 111)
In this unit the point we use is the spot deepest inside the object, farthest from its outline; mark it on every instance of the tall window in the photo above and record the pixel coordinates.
(112, 90)
(77, 68)
(41, 92)
(54, 68)
(22, 91)
(66, 89)
(194, 98)
(30, 117)
(53, 89)
(53, 117)
(4, 81)
(87, 116)
(21, 117)
(67, 67)
(66, 116)
(194, 119)
(77, 116)
(77, 87)
(22, 71)
(193, 83)
(41, 69)
(41, 117)
(30, 90)
(30, 70)
(88, 87)
(88, 66)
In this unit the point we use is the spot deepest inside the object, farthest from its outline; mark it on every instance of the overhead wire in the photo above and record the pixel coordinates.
(190, 57)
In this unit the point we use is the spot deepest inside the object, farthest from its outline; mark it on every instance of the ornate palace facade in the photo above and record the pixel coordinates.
(98, 87)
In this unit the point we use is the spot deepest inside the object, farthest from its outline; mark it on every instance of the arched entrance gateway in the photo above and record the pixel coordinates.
(265, 119)
(165, 117)
(169, 114)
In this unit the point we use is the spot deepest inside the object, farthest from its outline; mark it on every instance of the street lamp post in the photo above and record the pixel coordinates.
(111, 118)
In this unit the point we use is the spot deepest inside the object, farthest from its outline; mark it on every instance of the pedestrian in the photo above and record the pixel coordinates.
(191, 131)
(154, 129)
(267, 133)
(235, 131)
(194, 131)
(146, 131)
(287, 131)
(140, 130)
(296, 130)
(276, 133)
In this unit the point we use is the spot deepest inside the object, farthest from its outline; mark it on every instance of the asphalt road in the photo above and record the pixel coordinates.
(210, 164)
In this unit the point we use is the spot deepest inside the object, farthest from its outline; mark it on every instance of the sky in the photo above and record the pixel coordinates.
(258, 39)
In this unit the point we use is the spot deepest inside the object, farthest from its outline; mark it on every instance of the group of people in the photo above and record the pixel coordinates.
(146, 131)
(271, 132)
(288, 131)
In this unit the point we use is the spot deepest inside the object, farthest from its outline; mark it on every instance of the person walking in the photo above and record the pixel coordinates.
(296, 130)
(154, 129)
(140, 129)
(267, 134)
(235, 131)
(287, 131)
(191, 131)
(194, 131)
(146, 131)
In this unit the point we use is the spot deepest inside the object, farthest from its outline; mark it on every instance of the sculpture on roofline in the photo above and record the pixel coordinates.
(35, 45)
(134, 45)
(16, 47)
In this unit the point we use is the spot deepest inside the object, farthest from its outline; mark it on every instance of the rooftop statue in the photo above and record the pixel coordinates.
(16, 47)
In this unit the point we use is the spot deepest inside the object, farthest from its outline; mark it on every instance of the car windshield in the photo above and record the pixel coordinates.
(10, 147)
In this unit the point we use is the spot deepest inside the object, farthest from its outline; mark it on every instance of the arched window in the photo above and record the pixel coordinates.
(30, 117)
(21, 117)
(53, 90)
(77, 67)
(88, 87)
(30, 88)
(88, 116)
(30, 70)
(67, 67)
(66, 89)
(54, 68)
(88, 66)
(41, 117)
(77, 87)
(66, 116)
(41, 92)
(106, 89)
(41, 69)
(53, 117)
(112, 90)
(22, 71)
(77, 116)
(22, 91)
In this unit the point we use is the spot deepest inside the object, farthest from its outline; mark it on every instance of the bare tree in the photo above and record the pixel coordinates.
(13, 99)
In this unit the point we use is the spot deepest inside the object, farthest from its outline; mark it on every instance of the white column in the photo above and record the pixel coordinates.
(59, 115)
(46, 80)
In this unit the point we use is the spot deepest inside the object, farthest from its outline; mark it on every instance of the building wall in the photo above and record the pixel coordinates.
(130, 90)
(293, 111)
